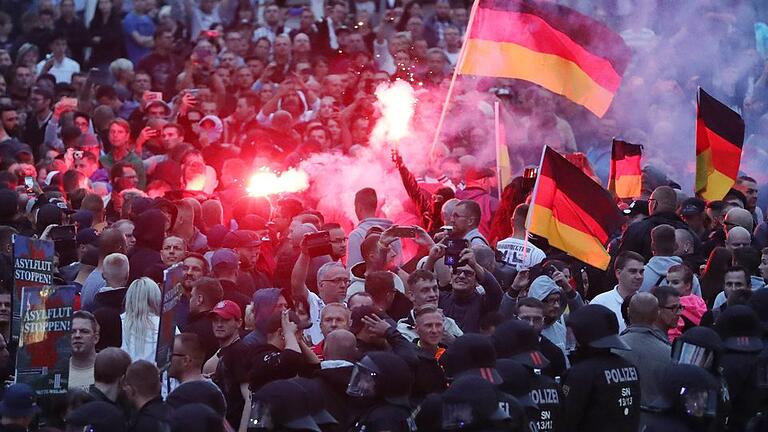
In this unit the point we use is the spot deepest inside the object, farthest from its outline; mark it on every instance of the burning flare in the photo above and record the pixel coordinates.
(266, 182)
(397, 105)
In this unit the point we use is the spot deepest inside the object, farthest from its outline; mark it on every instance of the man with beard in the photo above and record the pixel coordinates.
(194, 266)
(85, 335)
(9, 143)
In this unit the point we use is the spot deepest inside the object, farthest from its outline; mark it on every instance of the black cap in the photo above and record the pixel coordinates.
(692, 206)
(241, 238)
(472, 354)
(518, 340)
(596, 326)
(740, 328)
(49, 214)
(517, 380)
(87, 236)
(288, 405)
(100, 416)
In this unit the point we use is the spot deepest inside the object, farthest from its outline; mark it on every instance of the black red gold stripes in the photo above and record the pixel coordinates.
(626, 170)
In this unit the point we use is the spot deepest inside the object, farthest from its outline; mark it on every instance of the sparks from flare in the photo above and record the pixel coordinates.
(397, 105)
(266, 182)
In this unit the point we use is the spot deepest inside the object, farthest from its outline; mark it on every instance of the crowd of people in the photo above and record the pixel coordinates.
(140, 123)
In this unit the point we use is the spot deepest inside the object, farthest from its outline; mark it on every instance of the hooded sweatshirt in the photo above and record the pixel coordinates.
(540, 289)
(149, 232)
(656, 273)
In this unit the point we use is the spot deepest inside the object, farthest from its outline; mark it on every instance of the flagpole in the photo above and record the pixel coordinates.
(497, 124)
(459, 63)
(533, 202)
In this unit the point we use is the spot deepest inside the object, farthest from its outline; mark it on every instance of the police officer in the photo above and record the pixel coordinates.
(471, 403)
(702, 347)
(471, 354)
(315, 402)
(516, 386)
(518, 341)
(741, 331)
(602, 390)
(281, 405)
(385, 380)
(687, 401)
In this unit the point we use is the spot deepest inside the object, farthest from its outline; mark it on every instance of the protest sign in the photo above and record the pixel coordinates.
(32, 266)
(42, 359)
(172, 290)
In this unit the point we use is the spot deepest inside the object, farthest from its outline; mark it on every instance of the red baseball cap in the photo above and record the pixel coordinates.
(227, 309)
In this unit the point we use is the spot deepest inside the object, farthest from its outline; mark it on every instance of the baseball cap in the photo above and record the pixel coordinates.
(241, 238)
(18, 401)
(225, 256)
(596, 326)
(227, 309)
(740, 328)
(84, 218)
(692, 206)
(99, 415)
(87, 236)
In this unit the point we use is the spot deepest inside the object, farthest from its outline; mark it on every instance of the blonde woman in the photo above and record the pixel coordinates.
(141, 319)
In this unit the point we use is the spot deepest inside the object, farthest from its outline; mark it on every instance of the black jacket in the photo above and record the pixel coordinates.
(200, 323)
(145, 259)
(467, 311)
(637, 237)
(152, 417)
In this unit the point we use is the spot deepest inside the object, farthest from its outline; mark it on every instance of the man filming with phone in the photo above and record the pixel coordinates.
(464, 302)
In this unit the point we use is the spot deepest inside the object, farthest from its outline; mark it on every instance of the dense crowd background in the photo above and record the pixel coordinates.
(141, 122)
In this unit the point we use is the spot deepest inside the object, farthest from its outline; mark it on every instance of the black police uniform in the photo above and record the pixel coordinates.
(702, 347)
(741, 331)
(602, 390)
(270, 364)
(390, 409)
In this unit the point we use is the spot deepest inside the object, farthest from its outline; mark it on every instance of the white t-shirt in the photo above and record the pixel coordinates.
(80, 378)
(612, 300)
(519, 253)
(316, 305)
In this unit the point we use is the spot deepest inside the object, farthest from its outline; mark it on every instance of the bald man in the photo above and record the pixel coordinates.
(661, 206)
(737, 237)
(651, 350)
(340, 351)
(735, 217)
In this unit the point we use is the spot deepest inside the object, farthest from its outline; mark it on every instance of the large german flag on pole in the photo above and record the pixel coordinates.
(550, 45)
(572, 211)
(625, 175)
(719, 139)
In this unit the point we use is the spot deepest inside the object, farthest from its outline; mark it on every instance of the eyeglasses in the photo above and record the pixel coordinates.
(464, 272)
(344, 281)
(674, 308)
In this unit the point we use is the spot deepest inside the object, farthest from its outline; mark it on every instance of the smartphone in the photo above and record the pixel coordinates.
(193, 91)
(64, 243)
(150, 96)
(29, 184)
(453, 249)
(403, 232)
(318, 244)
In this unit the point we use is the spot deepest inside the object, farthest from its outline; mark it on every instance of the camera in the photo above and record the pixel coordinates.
(78, 154)
(318, 244)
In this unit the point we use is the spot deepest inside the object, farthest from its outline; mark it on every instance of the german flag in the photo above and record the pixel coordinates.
(624, 179)
(550, 45)
(572, 211)
(719, 139)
